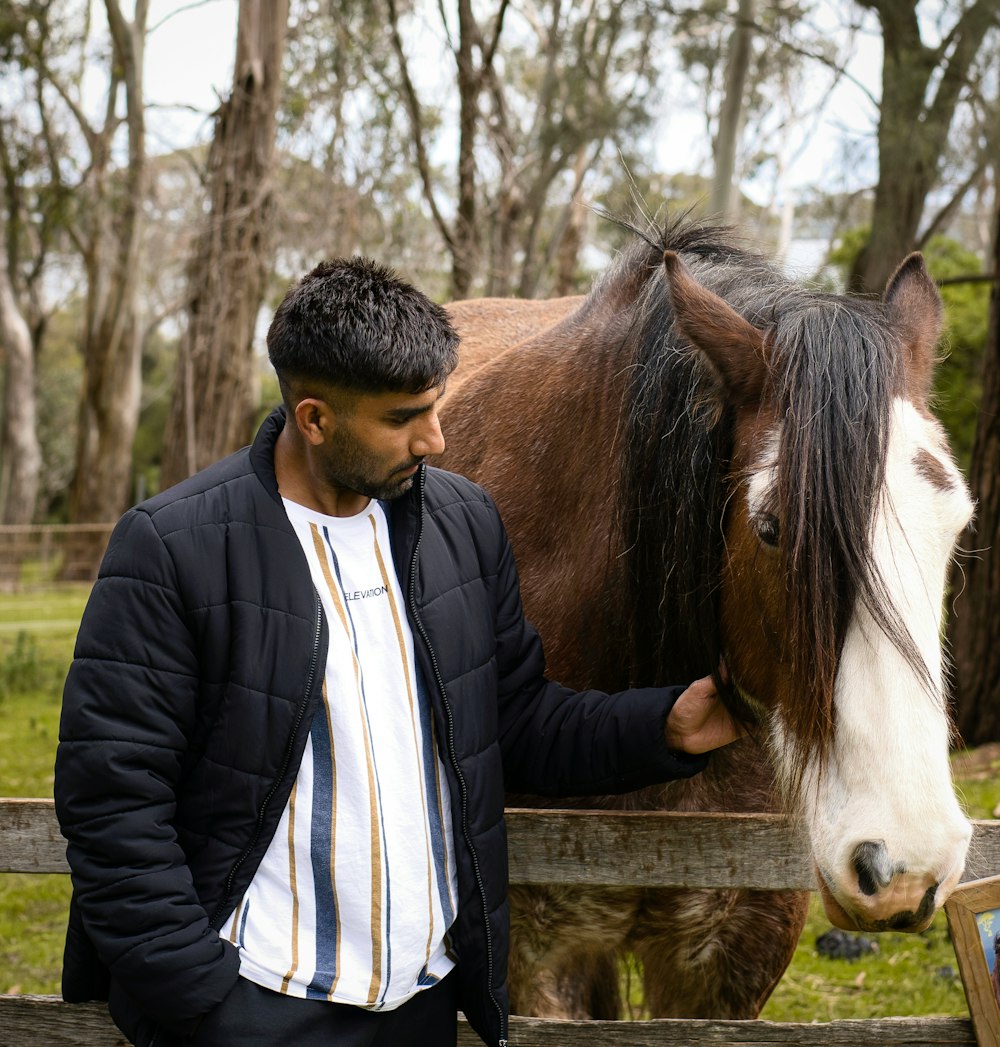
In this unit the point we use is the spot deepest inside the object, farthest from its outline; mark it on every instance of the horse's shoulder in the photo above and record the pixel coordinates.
(532, 313)
(489, 327)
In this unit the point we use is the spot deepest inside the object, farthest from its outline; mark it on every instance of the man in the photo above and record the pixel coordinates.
(301, 685)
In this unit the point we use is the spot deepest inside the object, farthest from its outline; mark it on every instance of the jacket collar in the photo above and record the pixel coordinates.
(262, 451)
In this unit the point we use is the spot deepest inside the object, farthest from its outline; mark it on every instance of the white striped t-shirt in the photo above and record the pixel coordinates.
(354, 897)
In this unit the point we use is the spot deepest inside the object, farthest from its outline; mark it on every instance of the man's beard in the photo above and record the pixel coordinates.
(350, 468)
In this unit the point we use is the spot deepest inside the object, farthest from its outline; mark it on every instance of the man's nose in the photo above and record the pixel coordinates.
(430, 439)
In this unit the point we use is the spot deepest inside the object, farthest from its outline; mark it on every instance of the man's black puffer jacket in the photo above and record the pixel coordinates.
(197, 671)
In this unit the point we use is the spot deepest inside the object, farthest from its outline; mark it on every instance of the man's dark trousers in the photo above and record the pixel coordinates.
(251, 1016)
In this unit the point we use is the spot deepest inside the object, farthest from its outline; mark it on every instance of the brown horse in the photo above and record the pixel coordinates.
(702, 461)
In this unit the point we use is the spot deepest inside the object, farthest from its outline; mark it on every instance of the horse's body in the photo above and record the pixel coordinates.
(662, 500)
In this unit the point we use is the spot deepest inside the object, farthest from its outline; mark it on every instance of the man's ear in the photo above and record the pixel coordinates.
(314, 419)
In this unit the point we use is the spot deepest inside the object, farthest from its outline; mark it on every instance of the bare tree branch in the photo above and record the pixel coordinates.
(179, 11)
(970, 278)
(417, 127)
(952, 205)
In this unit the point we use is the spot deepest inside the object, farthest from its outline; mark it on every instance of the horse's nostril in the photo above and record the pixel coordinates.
(872, 864)
(906, 921)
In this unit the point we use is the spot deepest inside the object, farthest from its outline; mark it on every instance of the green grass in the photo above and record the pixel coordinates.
(908, 975)
(32, 927)
(37, 631)
(911, 974)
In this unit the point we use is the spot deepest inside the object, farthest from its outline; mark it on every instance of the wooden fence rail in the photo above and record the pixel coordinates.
(618, 849)
(38, 555)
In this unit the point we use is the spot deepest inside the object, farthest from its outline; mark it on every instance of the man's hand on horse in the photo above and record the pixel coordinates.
(699, 722)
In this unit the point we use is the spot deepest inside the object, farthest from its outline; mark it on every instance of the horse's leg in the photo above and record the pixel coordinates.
(559, 935)
(715, 954)
(590, 985)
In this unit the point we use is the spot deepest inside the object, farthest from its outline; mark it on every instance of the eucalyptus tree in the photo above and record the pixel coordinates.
(472, 44)
(762, 72)
(930, 68)
(20, 450)
(973, 627)
(347, 183)
(539, 93)
(578, 88)
(215, 394)
(35, 207)
(100, 172)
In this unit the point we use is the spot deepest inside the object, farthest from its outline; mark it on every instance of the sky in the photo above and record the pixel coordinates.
(189, 63)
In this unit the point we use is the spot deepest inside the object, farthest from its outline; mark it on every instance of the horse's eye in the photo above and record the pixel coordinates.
(768, 529)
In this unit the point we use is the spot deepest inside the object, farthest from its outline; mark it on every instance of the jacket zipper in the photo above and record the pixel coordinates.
(412, 600)
(231, 878)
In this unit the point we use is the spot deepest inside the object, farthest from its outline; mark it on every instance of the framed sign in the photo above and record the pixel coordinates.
(973, 913)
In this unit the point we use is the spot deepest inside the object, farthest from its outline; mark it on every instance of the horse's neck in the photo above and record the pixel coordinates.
(539, 426)
(553, 399)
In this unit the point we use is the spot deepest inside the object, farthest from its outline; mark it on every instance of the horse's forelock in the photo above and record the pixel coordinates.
(837, 371)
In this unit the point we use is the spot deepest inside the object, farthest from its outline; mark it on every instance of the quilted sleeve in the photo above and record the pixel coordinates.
(128, 709)
(558, 742)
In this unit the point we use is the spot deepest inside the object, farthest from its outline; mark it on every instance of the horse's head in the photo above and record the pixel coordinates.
(844, 509)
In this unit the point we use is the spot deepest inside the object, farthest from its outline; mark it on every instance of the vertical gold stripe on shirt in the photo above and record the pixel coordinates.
(387, 581)
(294, 887)
(376, 842)
(233, 931)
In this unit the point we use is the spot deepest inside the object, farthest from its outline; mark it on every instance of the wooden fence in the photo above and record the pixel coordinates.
(39, 555)
(627, 849)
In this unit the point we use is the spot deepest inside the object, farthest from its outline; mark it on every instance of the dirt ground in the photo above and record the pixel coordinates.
(981, 762)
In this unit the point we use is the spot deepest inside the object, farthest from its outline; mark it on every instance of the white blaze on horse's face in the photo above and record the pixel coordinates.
(888, 836)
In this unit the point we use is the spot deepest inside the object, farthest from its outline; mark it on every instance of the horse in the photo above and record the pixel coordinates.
(706, 468)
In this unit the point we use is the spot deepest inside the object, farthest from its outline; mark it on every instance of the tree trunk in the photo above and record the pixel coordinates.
(731, 113)
(108, 417)
(111, 347)
(20, 451)
(975, 624)
(568, 255)
(215, 394)
(921, 88)
(510, 207)
(465, 256)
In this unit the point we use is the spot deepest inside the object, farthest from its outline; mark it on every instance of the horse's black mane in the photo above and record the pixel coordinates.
(834, 372)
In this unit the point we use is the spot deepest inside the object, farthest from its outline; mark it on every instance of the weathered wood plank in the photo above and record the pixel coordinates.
(884, 1032)
(45, 1021)
(30, 840)
(41, 1021)
(609, 848)
(676, 850)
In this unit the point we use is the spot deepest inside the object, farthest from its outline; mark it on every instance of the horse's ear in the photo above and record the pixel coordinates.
(733, 346)
(913, 305)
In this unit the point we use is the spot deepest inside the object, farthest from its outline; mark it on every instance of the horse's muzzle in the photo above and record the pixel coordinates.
(884, 897)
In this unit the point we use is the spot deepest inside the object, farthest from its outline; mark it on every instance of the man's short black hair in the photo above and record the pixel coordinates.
(354, 324)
